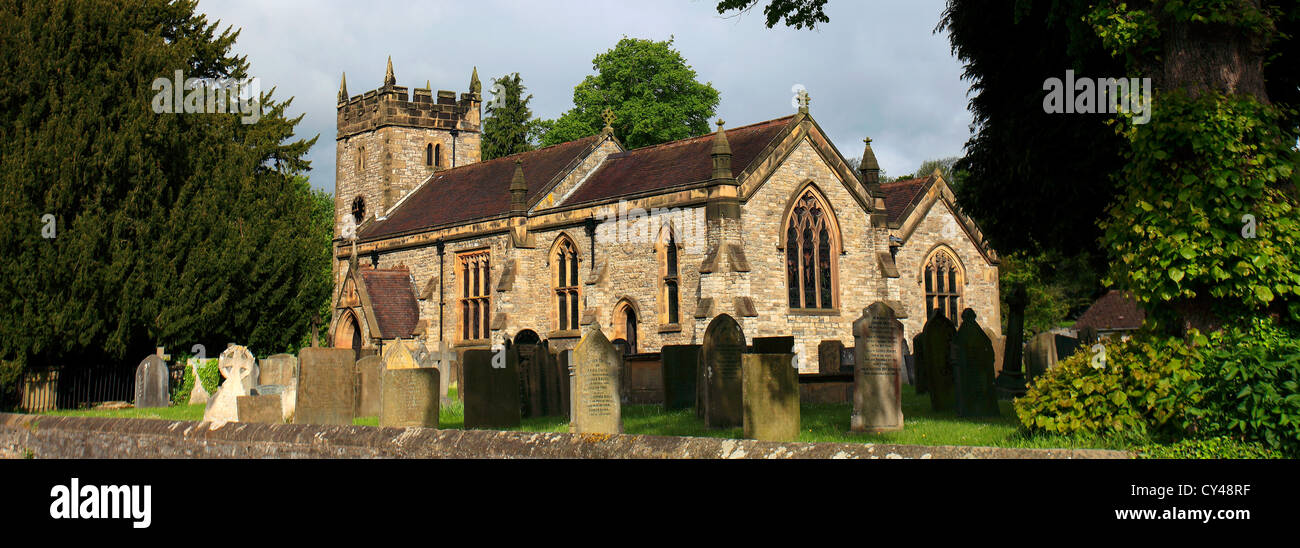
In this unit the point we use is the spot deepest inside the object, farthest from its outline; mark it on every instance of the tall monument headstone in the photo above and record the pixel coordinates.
(878, 396)
(239, 368)
(596, 377)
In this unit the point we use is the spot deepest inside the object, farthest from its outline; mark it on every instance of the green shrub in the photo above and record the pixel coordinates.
(1143, 387)
(1221, 447)
(209, 375)
(1251, 384)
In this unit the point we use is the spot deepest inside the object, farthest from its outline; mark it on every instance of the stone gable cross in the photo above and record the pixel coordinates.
(804, 100)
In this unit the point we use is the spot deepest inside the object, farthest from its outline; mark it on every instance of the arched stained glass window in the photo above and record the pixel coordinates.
(810, 253)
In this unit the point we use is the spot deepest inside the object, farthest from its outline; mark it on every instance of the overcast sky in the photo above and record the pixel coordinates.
(877, 69)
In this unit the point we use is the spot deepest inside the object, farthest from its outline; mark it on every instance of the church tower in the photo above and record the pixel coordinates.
(389, 141)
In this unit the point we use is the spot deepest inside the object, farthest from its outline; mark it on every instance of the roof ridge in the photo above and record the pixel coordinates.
(515, 155)
(707, 135)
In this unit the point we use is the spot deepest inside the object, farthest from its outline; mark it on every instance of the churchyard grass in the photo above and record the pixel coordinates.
(820, 423)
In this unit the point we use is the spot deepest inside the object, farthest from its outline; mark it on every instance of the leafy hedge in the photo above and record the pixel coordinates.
(1241, 383)
(1221, 447)
(1144, 386)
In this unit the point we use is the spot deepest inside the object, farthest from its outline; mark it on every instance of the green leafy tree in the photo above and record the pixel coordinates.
(796, 13)
(509, 127)
(947, 169)
(653, 93)
(169, 229)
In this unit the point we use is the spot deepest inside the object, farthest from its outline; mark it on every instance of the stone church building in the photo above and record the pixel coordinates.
(766, 222)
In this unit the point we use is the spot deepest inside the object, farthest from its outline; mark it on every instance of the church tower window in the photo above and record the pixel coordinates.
(428, 155)
(944, 280)
(811, 251)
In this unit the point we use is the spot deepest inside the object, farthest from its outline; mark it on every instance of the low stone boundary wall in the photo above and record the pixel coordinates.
(93, 437)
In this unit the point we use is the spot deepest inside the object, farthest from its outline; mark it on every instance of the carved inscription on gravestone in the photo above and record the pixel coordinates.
(596, 369)
(877, 400)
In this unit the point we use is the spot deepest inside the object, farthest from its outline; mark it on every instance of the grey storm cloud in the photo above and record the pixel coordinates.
(877, 69)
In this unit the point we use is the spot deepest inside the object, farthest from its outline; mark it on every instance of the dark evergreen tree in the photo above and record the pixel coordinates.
(168, 229)
(507, 128)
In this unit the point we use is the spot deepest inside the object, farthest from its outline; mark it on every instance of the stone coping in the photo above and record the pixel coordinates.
(98, 437)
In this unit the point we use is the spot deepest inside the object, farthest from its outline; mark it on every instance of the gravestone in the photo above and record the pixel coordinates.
(597, 409)
(563, 381)
(906, 374)
(1011, 378)
(152, 382)
(999, 345)
(920, 381)
(198, 394)
(326, 386)
(260, 409)
(445, 360)
(878, 393)
(409, 393)
(397, 355)
(367, 392)
(770, 397)
(281, 369)
(539, 389)
(239, 368)
(972, 364)
(773, 345)
(1065, 346)
(680, 365)
(932, 358)
(1040, 354)
(828, 357)
(490, 390)
(720, 360)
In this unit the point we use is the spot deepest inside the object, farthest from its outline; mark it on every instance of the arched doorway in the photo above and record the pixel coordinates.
(348, 333)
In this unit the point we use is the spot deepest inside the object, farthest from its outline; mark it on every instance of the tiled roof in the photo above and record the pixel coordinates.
(900, 195)
(674, 163)
(478, 190)
(392, 299)
(1114, 310)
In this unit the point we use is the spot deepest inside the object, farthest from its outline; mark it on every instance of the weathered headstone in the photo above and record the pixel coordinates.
(933, 349)
(596, 377)
(1011, 378)
(999, 345)
(281, 369)
(539, 386)
(1040, 354)
(720, 354)
(1065, 346)
(198, 394)
(680, 364)
(828, 357)
(878, 397)
(239, 368)
(770, 397)
(367, 380)
(972, 364)
(918, 365)
(490, 393)
(260, 409)
(906, 375)
(564, 381)
(152, 383)
(445, 360)
(409, 393)
(326, 386)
